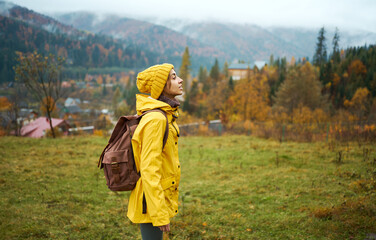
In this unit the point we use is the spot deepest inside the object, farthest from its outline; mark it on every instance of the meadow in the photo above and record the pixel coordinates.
(232, 187)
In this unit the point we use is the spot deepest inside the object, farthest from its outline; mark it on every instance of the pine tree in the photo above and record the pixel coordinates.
(214, 72)
(231, 84)
(225, 69)
(335, 42)
(202, 74)
(203, 78)
(96, 56)
(320, 55)
(185, 68)
(271, 60)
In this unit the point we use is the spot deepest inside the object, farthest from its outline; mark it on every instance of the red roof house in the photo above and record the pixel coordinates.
(38, 127)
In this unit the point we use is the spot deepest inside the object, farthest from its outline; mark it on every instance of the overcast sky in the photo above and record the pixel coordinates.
(346, 14)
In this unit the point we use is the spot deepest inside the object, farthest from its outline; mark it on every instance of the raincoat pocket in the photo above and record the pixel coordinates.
(168, 184)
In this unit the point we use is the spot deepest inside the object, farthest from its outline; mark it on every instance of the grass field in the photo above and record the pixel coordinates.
(232, 187)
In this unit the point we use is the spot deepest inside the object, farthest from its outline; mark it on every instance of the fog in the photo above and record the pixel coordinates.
(345, 14)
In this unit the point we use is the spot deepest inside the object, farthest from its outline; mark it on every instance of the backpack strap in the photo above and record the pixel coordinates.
(167, 128)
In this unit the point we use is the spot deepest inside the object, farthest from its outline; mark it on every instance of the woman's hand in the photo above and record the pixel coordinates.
(165, 228)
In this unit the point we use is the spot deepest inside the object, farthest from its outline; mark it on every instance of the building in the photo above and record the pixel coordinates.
(243, 70)
(38, 127)
(239, 71)
(72, 102)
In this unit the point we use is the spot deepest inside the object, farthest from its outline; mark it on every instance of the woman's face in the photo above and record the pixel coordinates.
(174, 85)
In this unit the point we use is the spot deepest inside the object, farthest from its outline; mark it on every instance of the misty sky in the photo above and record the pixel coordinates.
(345, 14)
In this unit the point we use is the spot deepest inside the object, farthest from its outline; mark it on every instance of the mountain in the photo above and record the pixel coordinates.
(250, 42)
(49, 24)
(91, 40)
(227, 41)
(244, 42)
(145, 35)
(23, 30)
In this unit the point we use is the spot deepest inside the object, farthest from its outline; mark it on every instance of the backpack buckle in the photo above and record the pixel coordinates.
(114, 165)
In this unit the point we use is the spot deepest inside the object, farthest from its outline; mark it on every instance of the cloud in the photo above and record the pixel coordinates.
(310, 13)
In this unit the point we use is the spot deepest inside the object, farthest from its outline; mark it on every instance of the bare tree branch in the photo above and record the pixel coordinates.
(40, 74)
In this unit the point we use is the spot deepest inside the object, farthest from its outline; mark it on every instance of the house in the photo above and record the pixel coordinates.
(243, 70)
(38, 127)
(72, 102)
(66, 84)
(239, 71)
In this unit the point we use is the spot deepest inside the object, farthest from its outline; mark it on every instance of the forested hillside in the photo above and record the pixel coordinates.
(91, 51)
(340, 87)
(156, 38)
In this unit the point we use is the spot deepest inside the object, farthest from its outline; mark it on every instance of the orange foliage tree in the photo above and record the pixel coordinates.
(358, 104)
(357, 67)
(250, 99)
(301, 88)
(4, 104)
(41, 76)
(48, 102)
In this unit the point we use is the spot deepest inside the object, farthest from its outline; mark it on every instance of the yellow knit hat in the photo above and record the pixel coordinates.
(153, 79)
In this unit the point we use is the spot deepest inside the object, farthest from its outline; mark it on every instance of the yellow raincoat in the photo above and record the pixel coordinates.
(160, 170)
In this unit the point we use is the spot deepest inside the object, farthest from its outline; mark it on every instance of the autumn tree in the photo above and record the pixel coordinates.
(250, 98)
(52, 107)
(216, 100)
(12, 111)
(357, 68)
(41, 76)
(4, 104)
(185, 68)
(358, 105)
(122, 109)
(301, 88)
(17, 96)
(197, 94)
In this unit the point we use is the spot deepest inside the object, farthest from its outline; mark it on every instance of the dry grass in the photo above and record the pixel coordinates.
(232, 187)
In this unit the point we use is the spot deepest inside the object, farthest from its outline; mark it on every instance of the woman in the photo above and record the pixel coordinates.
(155, 198)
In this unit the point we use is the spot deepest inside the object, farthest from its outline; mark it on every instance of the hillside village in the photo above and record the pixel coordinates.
(76, 115)
(257, 92)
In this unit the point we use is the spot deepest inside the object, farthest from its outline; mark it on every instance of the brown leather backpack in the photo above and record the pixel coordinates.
(117, 158)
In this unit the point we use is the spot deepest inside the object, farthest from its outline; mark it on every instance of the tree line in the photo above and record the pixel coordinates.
(338, 83)
(85, 50)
